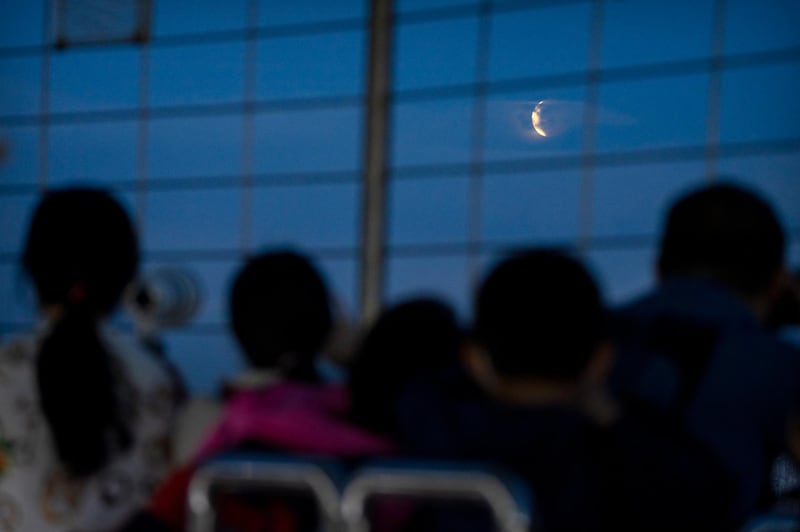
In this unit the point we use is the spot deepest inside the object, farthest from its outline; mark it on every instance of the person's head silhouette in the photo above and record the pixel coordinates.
(727, 233)
(280, 313)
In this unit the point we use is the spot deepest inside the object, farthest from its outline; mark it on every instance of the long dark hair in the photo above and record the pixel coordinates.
(80, 252)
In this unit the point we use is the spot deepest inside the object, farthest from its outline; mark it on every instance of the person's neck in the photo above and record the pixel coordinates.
(52, 311)
(594, 401)
(534, 392)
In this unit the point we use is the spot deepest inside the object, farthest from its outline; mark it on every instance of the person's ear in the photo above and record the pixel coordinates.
(478, 365)
(600, 364)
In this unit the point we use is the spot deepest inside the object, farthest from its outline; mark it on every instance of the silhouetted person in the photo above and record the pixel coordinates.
(408, 340)
(695, 347)
(533, 399)
(280, 315)
(85, 413)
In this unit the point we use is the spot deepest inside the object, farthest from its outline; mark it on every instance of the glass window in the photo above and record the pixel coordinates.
(531, 208)
(760, 103)
(94, 79)
(623, 274)
(191, 220)
(777, 177)
(175, 17)
(758, 26)
(306, 215)
(310, 11)
(15, 213)
(442, 277)
(308, 140)
(341, 276)
(431, 132)
(19, 90)
(652, 113)
(204, 359)
(793, 253)
(636, 33)
(540, 41)
(428, 210)
(21, 23)
(436, 53)
(534, 123)
(409, 6)
(331, 64)
(98, 152)
(201, 146)
(196, 74)
(632, 200)
(20, 163)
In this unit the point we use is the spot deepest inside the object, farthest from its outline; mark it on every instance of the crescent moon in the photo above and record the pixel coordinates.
(536, 121)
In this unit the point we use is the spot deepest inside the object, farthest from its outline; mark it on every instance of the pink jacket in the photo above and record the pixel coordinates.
(292, 417)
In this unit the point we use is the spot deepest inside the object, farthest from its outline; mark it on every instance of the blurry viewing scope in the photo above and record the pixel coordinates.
(167, 297)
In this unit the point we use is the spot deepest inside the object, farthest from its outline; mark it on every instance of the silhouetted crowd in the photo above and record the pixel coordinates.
(679, 410)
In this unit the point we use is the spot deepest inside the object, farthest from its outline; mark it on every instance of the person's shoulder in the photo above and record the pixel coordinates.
(17, 361)
(18, 350)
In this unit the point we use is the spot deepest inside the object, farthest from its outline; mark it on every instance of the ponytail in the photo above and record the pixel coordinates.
(76, 379)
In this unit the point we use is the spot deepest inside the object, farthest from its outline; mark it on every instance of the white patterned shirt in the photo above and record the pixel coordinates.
(36, 493)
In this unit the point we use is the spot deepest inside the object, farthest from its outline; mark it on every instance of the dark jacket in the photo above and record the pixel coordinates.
(693, 350)
(639, 473)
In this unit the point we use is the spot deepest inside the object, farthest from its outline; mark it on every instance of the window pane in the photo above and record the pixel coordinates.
(435, 53)
(204, 360)
(21, 22)
(539, 42)
(200, 146)
(19, 90)
(331, 64)
(15, 211)
(793, 254)
(652, 113)
(197, 74)
(442, 277)
(192, 220)
(90, 80)
(431, 132)
(776, 177)
(637, 33)
(531, 208)
(21, 159)
(623, 274)
(104, 152)
(408, 6)
(632, 200)
(428, 210)
(310, 11)
(306, 215)
(760, 103)
(308, 140)
(757, 26)
(510, 132)
(173, 16)
(341, 276)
